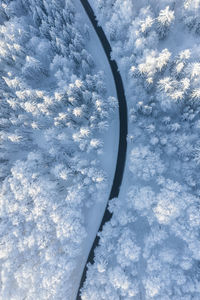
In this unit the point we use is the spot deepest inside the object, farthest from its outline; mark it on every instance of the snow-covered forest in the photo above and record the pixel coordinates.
(56, 117)
(151, 247)
(54, 114)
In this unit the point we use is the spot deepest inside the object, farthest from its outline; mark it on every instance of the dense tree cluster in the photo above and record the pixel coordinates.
(54, 108)
(157, 214)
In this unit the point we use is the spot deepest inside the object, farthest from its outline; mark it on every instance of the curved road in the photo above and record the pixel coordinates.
(121, 158)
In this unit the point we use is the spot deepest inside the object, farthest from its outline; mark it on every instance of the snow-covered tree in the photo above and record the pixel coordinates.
(145, 164)
(164, 20)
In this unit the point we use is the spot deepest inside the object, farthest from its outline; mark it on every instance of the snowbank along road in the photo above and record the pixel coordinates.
(121, 158)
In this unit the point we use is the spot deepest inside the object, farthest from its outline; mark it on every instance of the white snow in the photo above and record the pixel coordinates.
(108, 158)
(161, 185)
(58, 160)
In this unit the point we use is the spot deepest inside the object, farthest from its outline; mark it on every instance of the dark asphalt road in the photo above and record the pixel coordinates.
(121, 158)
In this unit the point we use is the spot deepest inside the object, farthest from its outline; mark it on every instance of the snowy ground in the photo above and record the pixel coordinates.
(108, 158)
